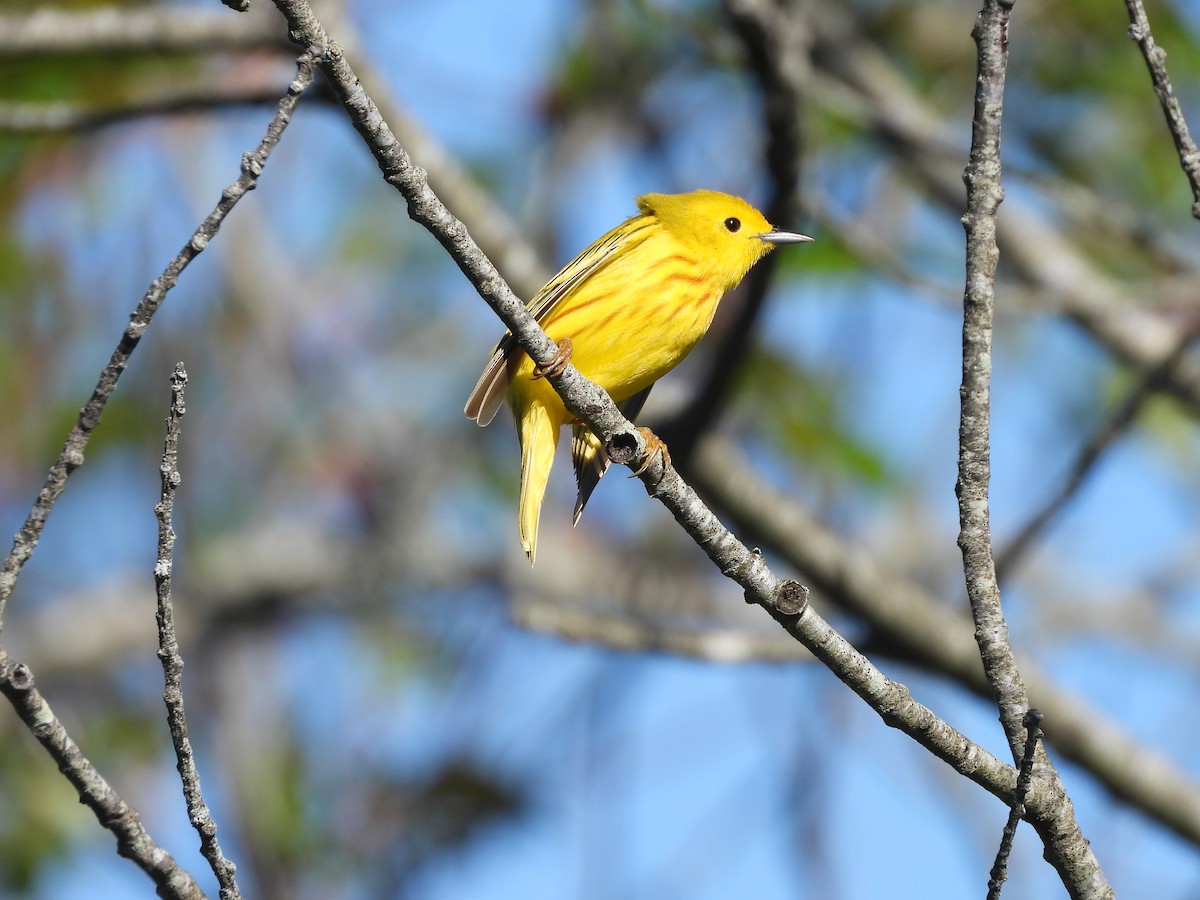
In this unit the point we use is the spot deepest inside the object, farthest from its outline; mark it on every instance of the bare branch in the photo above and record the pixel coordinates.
(49, 31)
(1156, 62)
(984, 195)
(1066, 848)
(619, 631)
(133, 841)
(493, 229)
(72, 455)
(1035, 248)
(172, 659)
(1033, 736)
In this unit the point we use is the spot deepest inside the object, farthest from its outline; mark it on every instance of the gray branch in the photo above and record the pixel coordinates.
(1038, 251)
(114, 29)
(1110, 430)
(984, 195)
(133, 841)
(1052, 813)
(59, 117)
(172, 659)
(1156, 62)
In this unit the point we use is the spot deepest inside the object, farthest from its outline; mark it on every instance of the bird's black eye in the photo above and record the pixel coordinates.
(732, 224)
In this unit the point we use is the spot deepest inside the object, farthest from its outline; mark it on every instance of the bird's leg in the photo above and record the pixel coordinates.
(558, 363)
(654, 447)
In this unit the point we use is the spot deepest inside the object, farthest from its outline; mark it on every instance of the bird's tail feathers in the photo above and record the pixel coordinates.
(587, 453)
(539, 439)
(591, 462)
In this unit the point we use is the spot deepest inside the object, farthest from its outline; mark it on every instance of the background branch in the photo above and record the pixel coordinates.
(117, 29)
(1110, 430)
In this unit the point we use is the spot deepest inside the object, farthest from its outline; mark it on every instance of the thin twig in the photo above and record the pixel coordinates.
(1089, 454)
(785, 600)
(1033, 737)
(1156, 62)
(72, 455)
(172, 659)
(133, 841)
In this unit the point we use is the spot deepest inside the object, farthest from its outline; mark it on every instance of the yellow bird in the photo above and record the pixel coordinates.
(625, 311)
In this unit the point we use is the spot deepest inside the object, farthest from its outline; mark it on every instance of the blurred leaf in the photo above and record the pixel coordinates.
(798, 411)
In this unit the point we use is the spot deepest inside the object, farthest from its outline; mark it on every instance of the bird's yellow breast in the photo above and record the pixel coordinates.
(634, 320)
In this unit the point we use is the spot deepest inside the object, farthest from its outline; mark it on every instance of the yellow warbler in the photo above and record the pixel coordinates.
(625, 312)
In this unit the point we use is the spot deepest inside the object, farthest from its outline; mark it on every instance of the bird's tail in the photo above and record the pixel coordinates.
(539, 439)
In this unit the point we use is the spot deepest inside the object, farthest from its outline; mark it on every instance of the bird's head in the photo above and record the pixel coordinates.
(728, 234)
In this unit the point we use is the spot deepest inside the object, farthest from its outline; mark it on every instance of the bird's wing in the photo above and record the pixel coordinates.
(588, 456)
(489, 391)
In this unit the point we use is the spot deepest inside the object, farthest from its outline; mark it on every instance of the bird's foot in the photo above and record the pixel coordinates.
(654, 447)
(558, 363)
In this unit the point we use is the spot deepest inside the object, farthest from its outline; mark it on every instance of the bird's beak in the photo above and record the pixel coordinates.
(776, 236)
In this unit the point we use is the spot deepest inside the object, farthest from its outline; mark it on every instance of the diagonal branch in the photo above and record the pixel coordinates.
(133, 841)
(1109, 431)
(1156, 62)
(72, 455)
(907, 622)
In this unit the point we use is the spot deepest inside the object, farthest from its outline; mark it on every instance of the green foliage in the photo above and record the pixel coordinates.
(801, 413)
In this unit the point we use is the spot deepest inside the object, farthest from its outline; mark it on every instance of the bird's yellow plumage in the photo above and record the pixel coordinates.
(632, 305)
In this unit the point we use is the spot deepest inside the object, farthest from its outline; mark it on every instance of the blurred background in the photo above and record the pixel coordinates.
(385, 701)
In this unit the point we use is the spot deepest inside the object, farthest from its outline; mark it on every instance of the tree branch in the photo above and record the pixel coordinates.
(57, 118)
(1066, 848)
(1156, 62)
(113, 813)
(1090, 453)
(984, 195)
(1037, 250)
(172, 660)
(776, 41)
(1033, 734)
(118, 29)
